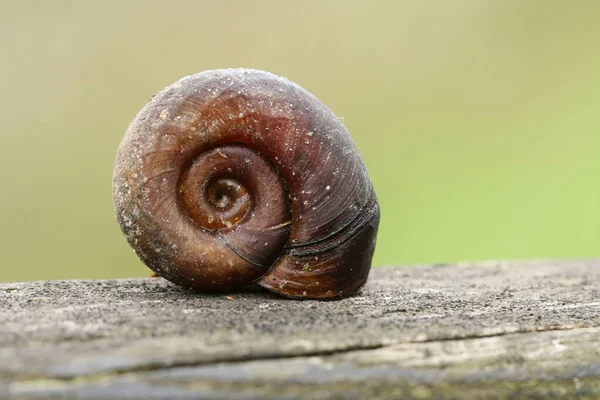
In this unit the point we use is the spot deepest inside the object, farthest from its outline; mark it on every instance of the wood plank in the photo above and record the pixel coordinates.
(446, 331)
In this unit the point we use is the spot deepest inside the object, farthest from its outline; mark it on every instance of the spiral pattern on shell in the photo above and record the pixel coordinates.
(230, 177)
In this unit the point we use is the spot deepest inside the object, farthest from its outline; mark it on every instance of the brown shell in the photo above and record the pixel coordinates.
(230, 177)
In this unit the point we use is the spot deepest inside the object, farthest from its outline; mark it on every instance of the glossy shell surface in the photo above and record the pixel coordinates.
(230, 177)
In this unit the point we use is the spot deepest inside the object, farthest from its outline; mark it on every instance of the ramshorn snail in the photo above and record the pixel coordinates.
(231, 177)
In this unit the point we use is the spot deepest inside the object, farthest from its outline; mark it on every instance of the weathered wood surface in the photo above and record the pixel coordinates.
(493, 330)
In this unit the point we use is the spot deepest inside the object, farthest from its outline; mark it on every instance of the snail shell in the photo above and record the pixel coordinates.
(231, 177)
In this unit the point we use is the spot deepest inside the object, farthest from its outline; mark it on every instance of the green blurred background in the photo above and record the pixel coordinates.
(479, 120)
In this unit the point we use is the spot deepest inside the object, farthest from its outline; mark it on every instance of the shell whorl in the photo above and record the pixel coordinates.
(234, 176)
